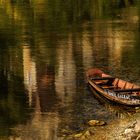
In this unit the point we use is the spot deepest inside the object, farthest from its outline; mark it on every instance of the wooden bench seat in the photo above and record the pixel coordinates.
(102, 78)
(127, 90)
(108, 87)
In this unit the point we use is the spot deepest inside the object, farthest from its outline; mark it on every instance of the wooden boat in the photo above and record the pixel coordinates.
(112, 88)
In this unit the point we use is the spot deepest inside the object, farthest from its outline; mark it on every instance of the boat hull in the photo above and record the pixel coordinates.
(124, 97)
(101, 92)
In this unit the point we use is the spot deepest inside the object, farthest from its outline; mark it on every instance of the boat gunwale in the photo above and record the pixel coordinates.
(130, 100)
(117, 100)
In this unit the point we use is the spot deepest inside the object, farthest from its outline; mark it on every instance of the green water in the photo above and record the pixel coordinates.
(45, 48)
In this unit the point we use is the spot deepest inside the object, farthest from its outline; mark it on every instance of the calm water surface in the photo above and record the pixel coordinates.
(45, 48)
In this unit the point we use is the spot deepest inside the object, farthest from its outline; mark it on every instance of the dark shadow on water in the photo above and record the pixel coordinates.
(120, 111)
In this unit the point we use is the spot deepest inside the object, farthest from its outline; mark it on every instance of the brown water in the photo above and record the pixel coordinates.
(45, 48)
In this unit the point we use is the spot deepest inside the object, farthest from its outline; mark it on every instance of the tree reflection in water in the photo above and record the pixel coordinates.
(44, 52)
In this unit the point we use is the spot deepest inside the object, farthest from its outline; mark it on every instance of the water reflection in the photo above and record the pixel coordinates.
(44, 52)
(87, 49)
(42, 127)
(65, 76)
(29, 69)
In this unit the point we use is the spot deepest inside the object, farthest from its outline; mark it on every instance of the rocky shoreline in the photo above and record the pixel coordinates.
(127, 129)
(132, 130)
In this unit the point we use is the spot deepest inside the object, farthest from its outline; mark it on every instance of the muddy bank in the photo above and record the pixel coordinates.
(123, 129)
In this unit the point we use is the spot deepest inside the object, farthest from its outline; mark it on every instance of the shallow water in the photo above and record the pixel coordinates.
(44, 53)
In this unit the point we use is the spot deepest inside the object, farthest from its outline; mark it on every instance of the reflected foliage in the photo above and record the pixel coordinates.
(13, 107)
(44, 27)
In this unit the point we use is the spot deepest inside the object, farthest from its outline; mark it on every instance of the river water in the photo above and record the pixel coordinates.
(45, 48)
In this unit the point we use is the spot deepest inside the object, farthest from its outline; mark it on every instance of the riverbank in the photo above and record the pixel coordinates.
(123, 129)
(131, 131)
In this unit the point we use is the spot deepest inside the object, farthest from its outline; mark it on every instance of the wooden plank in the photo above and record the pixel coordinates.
(108, 87)
(126, 90)
(102, 78)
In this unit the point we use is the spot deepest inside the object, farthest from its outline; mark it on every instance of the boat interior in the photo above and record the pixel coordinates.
(116, 84)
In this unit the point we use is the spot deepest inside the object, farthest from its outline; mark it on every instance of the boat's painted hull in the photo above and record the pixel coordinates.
(115, 97)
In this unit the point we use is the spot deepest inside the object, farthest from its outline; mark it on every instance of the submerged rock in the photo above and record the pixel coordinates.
(137, 127)
(83, 136)
(78, 135)
(137, 109)
(138, 138)
(96, 123)
(128, 131)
